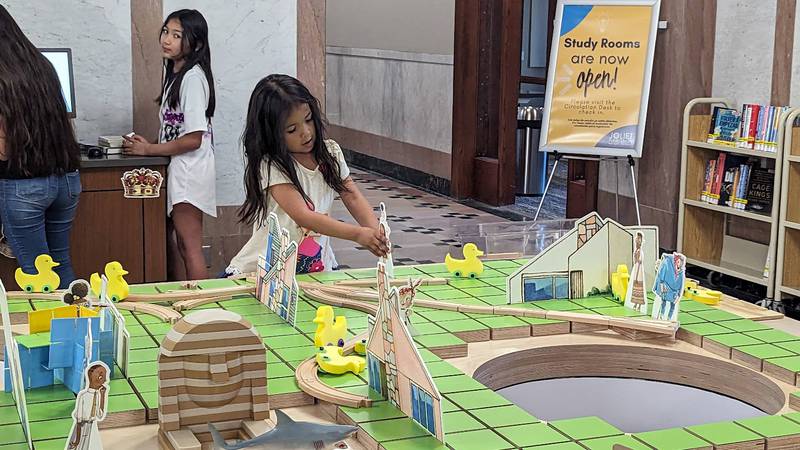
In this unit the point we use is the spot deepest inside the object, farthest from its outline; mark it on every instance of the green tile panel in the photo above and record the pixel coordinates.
(607, 443)
(532, 434)
(393, 429)
(557, 305)
(585, 428)
(734, 340)
(790, 363)
(420, 443)
(771, 426)
(11, 434)
(458, 421)
(672, 439)
(379, 411)
(705, 329)
(772, 336)
(438, 340)
(744, 325)
(458, 383)
(724, 433)
(765, 351)
(503, 416)
(715, 315)
(477, 440)
(478, 399)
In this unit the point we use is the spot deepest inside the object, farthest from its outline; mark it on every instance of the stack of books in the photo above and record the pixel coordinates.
(112, 145)
(738, 182)
(754, 127)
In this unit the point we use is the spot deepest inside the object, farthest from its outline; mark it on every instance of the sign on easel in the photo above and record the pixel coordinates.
(598, 80)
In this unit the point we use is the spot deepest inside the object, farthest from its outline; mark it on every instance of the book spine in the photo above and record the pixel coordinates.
(760, 128)
(751, 136)
(713, 126)
(744, 127)
(718, 178)
(742, 196)
(768, 134)
(774, 129)
(712, 170)
(704, 194)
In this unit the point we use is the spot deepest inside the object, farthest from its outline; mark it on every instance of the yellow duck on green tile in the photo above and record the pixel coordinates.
(44, 280)
(331, 360)
(470, 266)
(117, 288)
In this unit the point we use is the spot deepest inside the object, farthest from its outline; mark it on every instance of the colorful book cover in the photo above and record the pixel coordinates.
(759, 190)
(727, 129)
(753, 121)
(713, 125)
(759, 142)
(744, 126)
(715, 190)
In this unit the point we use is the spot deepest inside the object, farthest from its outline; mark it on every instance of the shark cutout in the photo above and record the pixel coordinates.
(289, 435)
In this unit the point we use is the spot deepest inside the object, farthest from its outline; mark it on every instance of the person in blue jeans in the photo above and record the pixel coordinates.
(39, 156)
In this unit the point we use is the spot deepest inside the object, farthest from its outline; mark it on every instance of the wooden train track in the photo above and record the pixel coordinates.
(339, 296)
(308, 380)
(400, 281)
(165, 313)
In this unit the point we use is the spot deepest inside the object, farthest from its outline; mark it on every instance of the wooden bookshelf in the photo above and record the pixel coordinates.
(705, 231)
(787, 276)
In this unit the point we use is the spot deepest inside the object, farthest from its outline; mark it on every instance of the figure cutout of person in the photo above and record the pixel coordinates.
(668, 286)
(635, 297)
(90, 409)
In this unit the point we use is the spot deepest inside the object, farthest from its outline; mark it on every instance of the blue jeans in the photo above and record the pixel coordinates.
(37, 218)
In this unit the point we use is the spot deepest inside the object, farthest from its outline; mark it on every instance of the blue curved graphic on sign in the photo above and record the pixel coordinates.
(572, 16)
(623, 137)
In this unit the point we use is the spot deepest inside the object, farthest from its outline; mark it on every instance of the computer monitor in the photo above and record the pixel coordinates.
(61, 59)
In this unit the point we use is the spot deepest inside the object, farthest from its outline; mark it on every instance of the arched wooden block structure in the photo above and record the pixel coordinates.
(645, 363)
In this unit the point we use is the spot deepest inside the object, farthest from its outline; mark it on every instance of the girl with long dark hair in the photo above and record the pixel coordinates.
(294, 172)
(39, 156)
(187, 106)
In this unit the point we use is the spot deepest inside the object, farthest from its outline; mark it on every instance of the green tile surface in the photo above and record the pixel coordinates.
(393, 429)
(723, 433)
(734, 340)
(503, 416)
(478, 399)
(607, 443)
(454, 422)
(585, 428)
(477, 440)
(771, 426)
(532, 434)
(772, 336)
(765, 351)
(672, 439)
(378, 411)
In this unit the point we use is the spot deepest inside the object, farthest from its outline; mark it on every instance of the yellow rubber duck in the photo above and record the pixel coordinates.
(45, 280)
(619, 282)
(329, 332)
(331, 360)
(469, 267)
(117, 288)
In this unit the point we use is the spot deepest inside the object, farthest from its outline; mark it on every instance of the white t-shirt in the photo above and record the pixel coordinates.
(317, 190)
(191, 178)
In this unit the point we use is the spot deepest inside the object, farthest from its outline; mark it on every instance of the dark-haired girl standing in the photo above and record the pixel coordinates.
(39, 156)
(187, 106)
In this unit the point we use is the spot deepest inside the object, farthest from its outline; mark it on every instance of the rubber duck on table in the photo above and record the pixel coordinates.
(329, 340)
(470, 266)
(329, 331)
(117, 288)
(44, 280)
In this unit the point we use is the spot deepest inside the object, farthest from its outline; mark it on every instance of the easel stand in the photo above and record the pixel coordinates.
(631, 164)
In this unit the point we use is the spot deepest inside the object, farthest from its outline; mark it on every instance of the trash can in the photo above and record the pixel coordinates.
(531, 163)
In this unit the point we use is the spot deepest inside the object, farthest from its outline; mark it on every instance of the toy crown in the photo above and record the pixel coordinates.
(142, 183)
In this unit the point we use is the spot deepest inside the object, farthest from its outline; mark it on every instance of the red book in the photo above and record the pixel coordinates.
(718, 177)
(751, 136)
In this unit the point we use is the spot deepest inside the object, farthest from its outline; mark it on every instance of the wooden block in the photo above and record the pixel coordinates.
(548, 329)
(366, 440)
(124, 419)
(787, 376)
(717, 348)
(637, 335)
(253, 428)
(474, 335)
(688, 336)
(510, 333)
(450, 351)
(749, 361)
(179, 440)
(343, 418)
(587, 327)
(794, 402)
(281, 401)
(791, 442)
(328, 408)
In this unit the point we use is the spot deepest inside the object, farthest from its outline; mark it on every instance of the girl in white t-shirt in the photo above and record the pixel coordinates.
(187, 106)
(292, 171)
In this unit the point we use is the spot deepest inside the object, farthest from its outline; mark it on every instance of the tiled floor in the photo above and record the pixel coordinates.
(424, 227)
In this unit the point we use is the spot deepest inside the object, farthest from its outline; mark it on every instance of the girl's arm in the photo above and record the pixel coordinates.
(292, 202)
(137, 145)
(357, 204)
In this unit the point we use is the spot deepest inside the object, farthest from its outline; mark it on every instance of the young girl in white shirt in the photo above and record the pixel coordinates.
(292, 171)
(187, 106)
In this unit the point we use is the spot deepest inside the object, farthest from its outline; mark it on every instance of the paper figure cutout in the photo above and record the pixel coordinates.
(581, 262)
(77, 293)
(12, 369)
(44, 280)
(396, 369)
(290, 434)
(276, 285)
(383, 226)
(90, 409)
(636, 293)
(142, 183)
(470, 266)
(668, 286)
(406, 302)
(118, 288)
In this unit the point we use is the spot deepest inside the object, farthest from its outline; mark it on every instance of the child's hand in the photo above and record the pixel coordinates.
(373, 240)
(135, 145)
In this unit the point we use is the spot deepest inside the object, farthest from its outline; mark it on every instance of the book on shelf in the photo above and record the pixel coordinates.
(759, 190)
(757, 130)
(724, 128)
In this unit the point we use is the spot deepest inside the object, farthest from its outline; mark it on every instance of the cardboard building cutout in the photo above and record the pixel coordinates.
(276, 285)
(110, 315)
(212, 367)
(636, 292)
(90, 409)
(12, 368)
(581, 262)
(396, 369)
(668, 286)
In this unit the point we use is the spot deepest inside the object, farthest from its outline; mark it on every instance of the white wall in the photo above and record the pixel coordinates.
(743, 50)
(416, 26)
(249, 39)
(99, 34)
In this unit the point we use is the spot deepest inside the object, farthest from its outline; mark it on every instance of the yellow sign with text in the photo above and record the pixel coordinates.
(599, 78)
